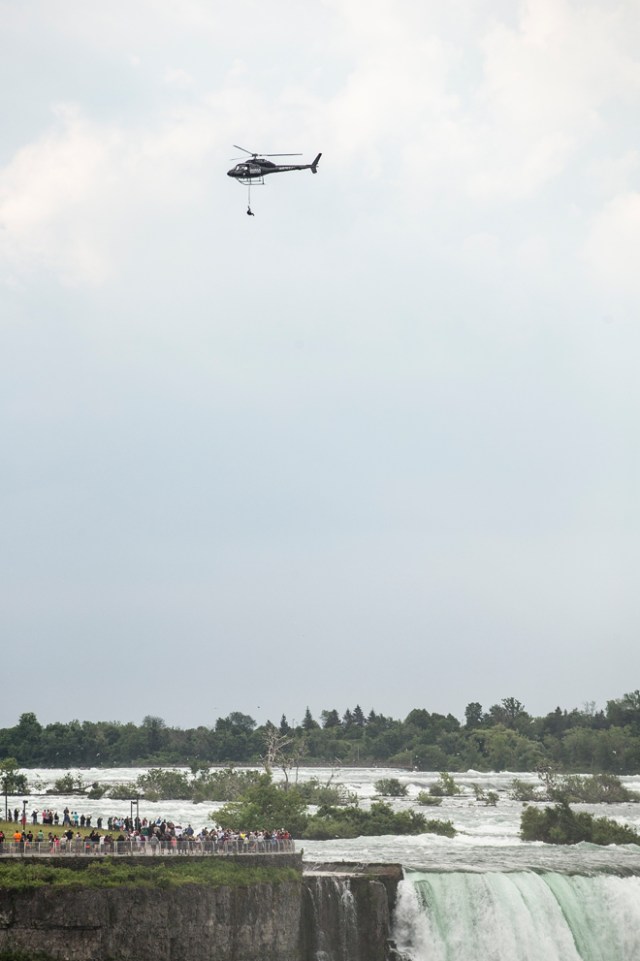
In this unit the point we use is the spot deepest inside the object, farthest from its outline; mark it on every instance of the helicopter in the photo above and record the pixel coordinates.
(257, 168)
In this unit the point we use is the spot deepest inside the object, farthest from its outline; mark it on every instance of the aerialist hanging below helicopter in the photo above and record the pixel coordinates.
(256, 169)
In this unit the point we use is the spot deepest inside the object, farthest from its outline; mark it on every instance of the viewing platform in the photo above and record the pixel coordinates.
(140, 847)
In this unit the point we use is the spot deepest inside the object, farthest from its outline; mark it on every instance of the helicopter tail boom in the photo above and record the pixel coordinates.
(314, 165)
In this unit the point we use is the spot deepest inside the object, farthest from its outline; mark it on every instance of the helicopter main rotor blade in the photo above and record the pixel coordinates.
(252, 153)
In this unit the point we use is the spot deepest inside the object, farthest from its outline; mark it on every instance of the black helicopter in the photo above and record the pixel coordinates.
(256, 169)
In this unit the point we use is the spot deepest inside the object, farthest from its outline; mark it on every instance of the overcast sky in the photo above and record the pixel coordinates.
(377, 444)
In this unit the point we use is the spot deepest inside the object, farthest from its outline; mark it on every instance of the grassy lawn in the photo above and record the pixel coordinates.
(9, 828)
(158, 873)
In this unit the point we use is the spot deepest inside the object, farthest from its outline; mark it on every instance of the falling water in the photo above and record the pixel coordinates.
(335, 922)
(518, 916)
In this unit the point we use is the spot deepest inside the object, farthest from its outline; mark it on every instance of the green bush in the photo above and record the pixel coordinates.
(68, 784)
(313, 792)
(265, 806)
(122, 792)
(162, 785)
(390, 787)
(96, 791)
(444, 787)
(354, 822)
(561, 825)
(490, 798)
(225, 785)
(429, 800)
(519, 790)
(592, 789)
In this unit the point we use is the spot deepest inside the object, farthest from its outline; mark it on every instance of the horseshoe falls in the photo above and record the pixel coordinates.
(517, 916)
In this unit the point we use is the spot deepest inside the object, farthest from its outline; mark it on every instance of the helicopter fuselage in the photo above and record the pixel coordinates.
(258, 168)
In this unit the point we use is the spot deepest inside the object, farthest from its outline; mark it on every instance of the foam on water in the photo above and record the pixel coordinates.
(498, 916)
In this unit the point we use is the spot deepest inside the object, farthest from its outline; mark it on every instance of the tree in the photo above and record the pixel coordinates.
(275, 745)
(241, 723)
(27, 738)
(625, 711)
(307, 722)
(358, 716)
(511, 713)
(155, 729)
(419, 718)
(284, 725)
(330, 718)
(264, 806)
(473, 715)
(160, 785)
(11, 781)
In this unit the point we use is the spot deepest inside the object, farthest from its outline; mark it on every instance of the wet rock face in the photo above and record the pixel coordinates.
(191, 923)
(341, 916)
(346, 913)
(345, 919)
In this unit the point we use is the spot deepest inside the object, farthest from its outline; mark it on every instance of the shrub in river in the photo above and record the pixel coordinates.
(96, 791)
(429, 800)
(314, 792)
(592, 789)
(519, 790)
(122, 792)
(68, 784)
(561, 825)
(226, 785)
(445, 786)
(490, 798)
(161, 785)
(390, 787)
(352, 822)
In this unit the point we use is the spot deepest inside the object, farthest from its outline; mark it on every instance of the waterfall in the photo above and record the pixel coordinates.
(335, 921)
(519, 916)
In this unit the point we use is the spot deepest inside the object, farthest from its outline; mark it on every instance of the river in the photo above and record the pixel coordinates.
(483, 895)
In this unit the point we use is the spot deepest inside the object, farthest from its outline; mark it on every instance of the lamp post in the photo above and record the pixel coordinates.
(135, 803)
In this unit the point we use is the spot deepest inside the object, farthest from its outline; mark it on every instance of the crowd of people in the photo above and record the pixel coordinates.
(126, 835)
(47, 816)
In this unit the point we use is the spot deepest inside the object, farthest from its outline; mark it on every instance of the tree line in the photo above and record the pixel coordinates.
(505, 737)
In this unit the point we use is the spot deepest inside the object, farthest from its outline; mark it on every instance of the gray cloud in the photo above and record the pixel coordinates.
(376, 444)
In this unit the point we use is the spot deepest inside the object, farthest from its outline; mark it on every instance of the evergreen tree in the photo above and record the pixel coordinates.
(330, 718)
(358, 716)
(284, 725)
(307, 722)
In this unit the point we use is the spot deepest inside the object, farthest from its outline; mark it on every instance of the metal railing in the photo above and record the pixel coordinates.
(138, 846)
